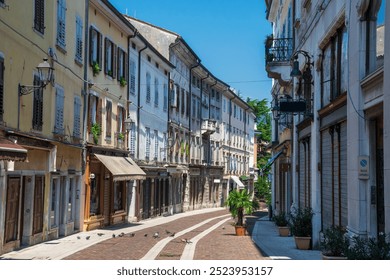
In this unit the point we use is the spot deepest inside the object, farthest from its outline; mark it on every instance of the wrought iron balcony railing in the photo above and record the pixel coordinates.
(278, 50)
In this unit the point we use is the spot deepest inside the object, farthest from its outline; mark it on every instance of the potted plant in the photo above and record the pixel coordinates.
(96, 131)
(121, 136)
(240, 203)
(122, 81)
(281, 222)
(334, 244)
(363, 248)
(301, 227)
(95, 68)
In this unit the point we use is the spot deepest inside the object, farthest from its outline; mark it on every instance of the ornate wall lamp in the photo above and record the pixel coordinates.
(45, 73)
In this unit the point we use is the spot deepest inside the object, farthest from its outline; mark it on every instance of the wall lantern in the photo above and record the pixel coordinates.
(129, 123)
(45, 73)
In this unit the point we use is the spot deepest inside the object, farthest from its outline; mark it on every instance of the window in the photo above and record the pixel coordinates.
(132, 141)
(120, 120)
(1, 88)
(95, 49)
(54, 202)
(79, 40)
(334, 71)
(108, 118)
(37, 120)
(148, 81)
(188, 107)
(235, 111)
(39, 16)
(61, 23)
(71, 200)
(119, 195)
(156, 92)
(156, 146)
(132, 76)
(95, 196)
(147, 143)
(110, 58)
(183, 101)
(77, 117)
(59, 117)
(122, 65)
(177, 96)
(165, 143)
(165, 97)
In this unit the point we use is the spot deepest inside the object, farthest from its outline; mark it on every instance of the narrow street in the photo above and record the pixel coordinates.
(207, 236)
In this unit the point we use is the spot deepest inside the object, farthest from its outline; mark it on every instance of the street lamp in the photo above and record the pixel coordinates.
(129, 123)
(45, 73)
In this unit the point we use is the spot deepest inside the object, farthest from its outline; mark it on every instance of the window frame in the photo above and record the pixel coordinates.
(39, 16)
(61, 24)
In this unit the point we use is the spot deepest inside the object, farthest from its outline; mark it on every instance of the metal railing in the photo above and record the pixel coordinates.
(278, 50)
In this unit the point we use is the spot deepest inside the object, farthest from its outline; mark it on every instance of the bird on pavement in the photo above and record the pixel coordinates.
(223, 227)
(113, 235)
(132, 234)
(172, 235)
(156, 235)
(121, 234)
(100, 234)
(167, 231)
(185, 240)
(78, 237)
(88, 237)
(145, 235)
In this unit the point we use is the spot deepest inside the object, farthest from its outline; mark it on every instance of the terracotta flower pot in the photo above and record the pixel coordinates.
(302, 243)
(240, 230)
(284, 231)
(324, 257)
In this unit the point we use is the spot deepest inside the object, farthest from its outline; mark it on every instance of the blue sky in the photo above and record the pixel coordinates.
(227, 35)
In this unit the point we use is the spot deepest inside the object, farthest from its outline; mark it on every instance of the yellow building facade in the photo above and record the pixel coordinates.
(41, 123)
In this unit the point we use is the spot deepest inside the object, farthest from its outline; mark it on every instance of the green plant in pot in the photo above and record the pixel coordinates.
(96, 131)
(281, 221)
(334, 244)
(301, 227)
(240, 203)
(95, 68)
(122, 81)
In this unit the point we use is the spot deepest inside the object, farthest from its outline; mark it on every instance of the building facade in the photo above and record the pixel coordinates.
(326, 58)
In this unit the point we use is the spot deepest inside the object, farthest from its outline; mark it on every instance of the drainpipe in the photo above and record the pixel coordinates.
(85, 86)
(139, 96)
(167, 155)
(190, 90)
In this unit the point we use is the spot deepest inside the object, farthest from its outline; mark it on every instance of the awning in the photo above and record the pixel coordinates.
(11, 151)
(122, 168)
(272, 160)
(238, 182)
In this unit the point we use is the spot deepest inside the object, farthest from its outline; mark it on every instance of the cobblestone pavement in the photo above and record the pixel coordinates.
(219, 244)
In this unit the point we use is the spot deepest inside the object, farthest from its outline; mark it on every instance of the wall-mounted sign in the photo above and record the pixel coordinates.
(364, 167)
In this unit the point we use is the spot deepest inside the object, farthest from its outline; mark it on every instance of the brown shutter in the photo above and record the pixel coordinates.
(91, 46)
(126, 70)
(114, 59)
(100, 49)
(106, 42)
(99, 112)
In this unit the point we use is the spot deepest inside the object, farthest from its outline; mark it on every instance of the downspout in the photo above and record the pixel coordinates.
(85, 86)
(190, 90)
(168, 158)
(139, 96)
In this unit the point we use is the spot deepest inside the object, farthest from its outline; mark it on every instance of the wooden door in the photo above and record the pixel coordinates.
(38, 205)
(12, 209)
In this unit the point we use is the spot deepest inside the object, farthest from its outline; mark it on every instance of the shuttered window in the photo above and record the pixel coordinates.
(37, 120)
(122, 66)
(79, 40)
(147, 143)
(165, 106)
(77, 117)
(110, 58)
(156, 93)
(156, 146)
(39, 16)
(59, 118)
(132, 141)
(95, 48)
(61, 23)
(148, 87)
(120, 119)
(1, 88)
(108, 118)
(132, 76)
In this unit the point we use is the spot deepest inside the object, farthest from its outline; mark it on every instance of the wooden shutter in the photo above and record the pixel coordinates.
(59, 119)
(38, 205)
(114, 52)
(39, 16)
(38, 105)
(1, 88)
(106, 42)
(126, 66)
(91, 31)
(99, 111)
(77, 117)
(100, 49)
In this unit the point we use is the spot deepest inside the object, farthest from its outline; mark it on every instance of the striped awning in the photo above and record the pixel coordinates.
(12, 151)
(122, 168)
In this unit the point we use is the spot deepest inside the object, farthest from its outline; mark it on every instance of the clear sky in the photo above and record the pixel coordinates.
(227, 35)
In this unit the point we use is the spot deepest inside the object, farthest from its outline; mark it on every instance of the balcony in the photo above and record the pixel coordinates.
(278, 58)
(208, 127)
